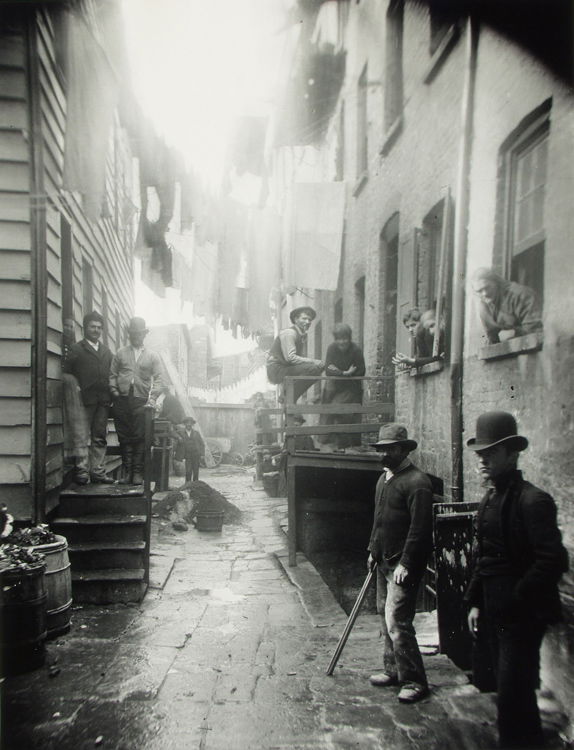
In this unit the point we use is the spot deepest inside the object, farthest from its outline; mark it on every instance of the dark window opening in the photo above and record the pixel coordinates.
(389, 265)
(443, 15)
(87, 287)
(362, 136)
(394, 63)
(338, 312)
(360, 308)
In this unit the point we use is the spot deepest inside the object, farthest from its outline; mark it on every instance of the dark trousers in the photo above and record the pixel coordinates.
(192, 467)
(97, 420)
(397, 606)
(513, 641)
(276, 373)
(129, 419)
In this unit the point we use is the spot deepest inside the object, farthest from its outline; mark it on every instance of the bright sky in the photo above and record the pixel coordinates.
(197, 64)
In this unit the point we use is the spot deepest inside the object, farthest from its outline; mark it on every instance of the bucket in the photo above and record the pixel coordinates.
(58, 583)
(209, 520)
(271, 483)
(22, 619)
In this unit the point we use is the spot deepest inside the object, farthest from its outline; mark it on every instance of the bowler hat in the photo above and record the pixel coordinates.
(493, 428)
(189, 419)
(304, 309)
(394, 434)
(137, 325)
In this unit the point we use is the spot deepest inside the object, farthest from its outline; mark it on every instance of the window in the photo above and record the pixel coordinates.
(338, 312)
(362, 137)
(394, 63)
(87, 287)
(360, 310)
(529, 164)
(340, 155)
(443, 15)
(67, 267)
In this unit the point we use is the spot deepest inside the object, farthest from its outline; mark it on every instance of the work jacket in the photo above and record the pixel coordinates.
(533, 546)
(91, 369)
(188, 445)
(402, 526)
(145, 375)
(517, 308)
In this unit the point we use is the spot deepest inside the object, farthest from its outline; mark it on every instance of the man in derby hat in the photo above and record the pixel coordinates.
(190, 448)
(513, 592)
(89, 362)
(401, 540)
(287, 354)
(135, 380)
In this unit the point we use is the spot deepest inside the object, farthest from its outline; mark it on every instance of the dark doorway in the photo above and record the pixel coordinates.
(389, 265)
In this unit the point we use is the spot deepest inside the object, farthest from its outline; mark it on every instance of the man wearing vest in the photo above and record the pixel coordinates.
(287, 354)
(89, 362)
(401, 540)
(513, 593)
(135, 381)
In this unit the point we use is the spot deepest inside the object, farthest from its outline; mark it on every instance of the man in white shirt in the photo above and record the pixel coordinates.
(136, 380)
(287, 354)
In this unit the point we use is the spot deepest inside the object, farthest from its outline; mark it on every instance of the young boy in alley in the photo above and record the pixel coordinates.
(190, 448)
(401, 540)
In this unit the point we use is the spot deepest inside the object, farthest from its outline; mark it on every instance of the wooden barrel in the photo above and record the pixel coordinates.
(209, 520)
(58, 581)
(22, 619)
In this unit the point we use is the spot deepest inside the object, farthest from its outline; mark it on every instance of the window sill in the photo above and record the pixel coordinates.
(391, 135)
(360, 183)
(417, 372)
(442, 52)
(532, 342)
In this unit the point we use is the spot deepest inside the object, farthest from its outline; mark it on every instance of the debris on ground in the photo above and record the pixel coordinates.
(13, 557)
(182, 505)
(32, 536)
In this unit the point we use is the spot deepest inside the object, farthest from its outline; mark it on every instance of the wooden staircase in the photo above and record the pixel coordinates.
(108, 533)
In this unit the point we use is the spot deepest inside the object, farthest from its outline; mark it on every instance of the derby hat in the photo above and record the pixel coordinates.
(494, 428)
(304, 309)
(137, 325)
(189, 419)
(394, 434)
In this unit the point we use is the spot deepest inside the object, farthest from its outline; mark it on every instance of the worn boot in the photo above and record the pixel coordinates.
(127, 464)
(138, 463)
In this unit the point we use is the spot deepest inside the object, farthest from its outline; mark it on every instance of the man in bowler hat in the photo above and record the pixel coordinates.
(287, 354)
(190, 448)
(135, 381)
(401, 540)
(513, 593)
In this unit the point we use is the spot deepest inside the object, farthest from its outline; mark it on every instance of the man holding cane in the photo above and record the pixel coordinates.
(401, 540)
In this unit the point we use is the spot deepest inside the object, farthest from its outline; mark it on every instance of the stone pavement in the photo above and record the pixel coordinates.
(229, 652)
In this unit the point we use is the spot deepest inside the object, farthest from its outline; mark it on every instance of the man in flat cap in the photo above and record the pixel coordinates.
(513, 593)
(190, 448)
(287, 354)
(401, 540)
(136, 380)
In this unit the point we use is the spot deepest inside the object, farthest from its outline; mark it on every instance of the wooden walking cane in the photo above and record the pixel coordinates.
(351, 621)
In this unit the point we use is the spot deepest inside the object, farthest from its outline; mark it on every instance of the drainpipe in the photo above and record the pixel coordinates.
(38, 274)
(459, 259)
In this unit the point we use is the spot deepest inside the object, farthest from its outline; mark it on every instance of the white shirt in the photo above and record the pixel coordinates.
(390, 473)
(94, 344)
(137, 352)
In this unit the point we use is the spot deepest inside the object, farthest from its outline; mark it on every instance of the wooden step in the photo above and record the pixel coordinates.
(73, 504)
(100, 555)
(109, 585)
(101, 528)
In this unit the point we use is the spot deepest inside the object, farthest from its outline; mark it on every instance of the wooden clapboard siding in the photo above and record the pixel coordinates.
(14, 294)
(14, 235)
(14, 411)
(15, 266)
(14, 470)
(13, 146)
(14, 353)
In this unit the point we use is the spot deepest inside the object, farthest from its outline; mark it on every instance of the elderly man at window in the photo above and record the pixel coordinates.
(287, 354)
(507, 309)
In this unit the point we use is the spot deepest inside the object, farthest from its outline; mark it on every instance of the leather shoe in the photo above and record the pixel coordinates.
(411, 692)
(382, 679)
(101, 479)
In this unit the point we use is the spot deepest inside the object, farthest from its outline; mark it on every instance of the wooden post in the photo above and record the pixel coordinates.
(148, 440)
(39, 279)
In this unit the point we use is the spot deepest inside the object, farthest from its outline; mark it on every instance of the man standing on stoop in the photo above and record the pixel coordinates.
(136, 380)
(89, 362)
(401, 540)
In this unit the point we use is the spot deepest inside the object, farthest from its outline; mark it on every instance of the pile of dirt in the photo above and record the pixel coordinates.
(204, 497)
(192, 497)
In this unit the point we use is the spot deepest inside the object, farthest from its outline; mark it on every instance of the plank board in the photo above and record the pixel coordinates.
(14, 382)
(15, 295)
(15, 411)
(13, 114)
(14, 325)
(14, 235)
(12, 82)
(14, 470)
(15, 441)
(14, 176)
(13, 146)
(14, 266)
